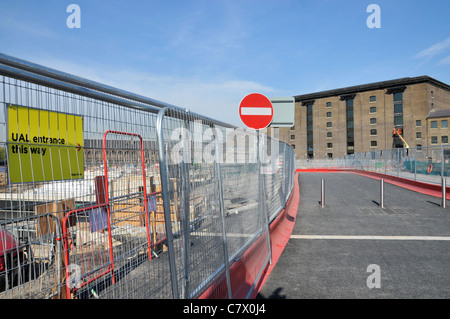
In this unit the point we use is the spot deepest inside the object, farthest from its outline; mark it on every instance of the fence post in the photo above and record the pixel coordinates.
(444, 192)
(222, 213)
(287, 177)
(385, 162)
(59, 258)
(415, 163)
(322, 193)
(262, 195)
(166, 201)
(185, 220)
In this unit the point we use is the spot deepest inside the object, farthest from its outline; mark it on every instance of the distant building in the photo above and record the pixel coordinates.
(363, 118)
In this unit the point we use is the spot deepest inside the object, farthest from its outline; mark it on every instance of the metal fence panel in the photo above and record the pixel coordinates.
(78, 197)
(191, 148)
(426, 163)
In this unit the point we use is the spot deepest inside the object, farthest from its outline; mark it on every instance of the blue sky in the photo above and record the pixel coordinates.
(206, 55)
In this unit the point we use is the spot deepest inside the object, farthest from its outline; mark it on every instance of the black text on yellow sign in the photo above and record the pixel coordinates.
(44, 145)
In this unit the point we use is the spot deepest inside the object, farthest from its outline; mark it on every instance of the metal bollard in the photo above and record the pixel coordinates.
(382, 193)
(322, 194)
(444, 192)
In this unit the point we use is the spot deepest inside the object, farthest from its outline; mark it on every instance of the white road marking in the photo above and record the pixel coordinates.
(256, 111)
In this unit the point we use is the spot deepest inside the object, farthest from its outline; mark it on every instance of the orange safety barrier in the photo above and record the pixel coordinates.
(89, 256)
(88, 242)
(144, 188)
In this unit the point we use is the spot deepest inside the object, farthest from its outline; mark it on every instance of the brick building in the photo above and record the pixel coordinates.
(362, 118)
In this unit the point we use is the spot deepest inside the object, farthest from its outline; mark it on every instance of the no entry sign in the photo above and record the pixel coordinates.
(256, 111)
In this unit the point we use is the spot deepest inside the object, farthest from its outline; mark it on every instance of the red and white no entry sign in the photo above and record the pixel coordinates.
(256, 111)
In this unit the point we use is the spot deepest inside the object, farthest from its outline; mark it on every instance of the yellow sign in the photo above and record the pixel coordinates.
(44, 145)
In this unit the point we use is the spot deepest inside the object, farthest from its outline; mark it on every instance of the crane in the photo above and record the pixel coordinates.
(399, 132)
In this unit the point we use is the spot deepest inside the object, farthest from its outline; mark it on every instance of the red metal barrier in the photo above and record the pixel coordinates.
(85, 239)
(95, 263)
(105, 167)
(90, 246)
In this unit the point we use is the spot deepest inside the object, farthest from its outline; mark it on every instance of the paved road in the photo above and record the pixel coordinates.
(402, 251)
